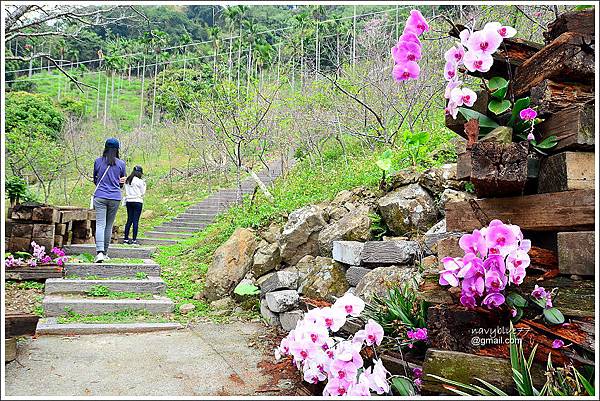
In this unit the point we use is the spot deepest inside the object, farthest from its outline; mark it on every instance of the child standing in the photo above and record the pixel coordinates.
(135, 188)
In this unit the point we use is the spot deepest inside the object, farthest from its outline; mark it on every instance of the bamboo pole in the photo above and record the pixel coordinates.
(354, 39)
(142, 92)
(154, 91)
(105, 99)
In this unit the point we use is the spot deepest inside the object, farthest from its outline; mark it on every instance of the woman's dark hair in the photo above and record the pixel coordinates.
(137, 172)
(111, 155)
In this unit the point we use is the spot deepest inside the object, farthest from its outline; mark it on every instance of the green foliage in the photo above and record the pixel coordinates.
(72, 106)
(16, 188)
(498, 106)
(403, 386)
(32, 115)
(498, 87)
(126, 316)
(398, 311)
(98, 290)
(246, 289)
(378, 226)
(385, 160)
(179, 90)
(486, 124)
(553, 316)
(141, 275)
(23, 85)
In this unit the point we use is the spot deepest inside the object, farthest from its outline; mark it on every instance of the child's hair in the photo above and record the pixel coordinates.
(137, 172)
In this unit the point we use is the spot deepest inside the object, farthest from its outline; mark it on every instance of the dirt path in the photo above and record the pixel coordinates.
(208, 359)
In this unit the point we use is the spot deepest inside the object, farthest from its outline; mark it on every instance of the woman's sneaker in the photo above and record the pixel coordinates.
(134, 242)
(100, 258)
(127, 241)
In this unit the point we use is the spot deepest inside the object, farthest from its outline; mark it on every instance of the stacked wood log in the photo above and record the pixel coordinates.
(48, 226)
(556, 211)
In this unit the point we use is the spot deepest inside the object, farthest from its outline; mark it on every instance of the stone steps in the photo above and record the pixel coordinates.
(50, 326)
(57, 305)
(192, 220)
(114, 251)
(151, 285)
(154, 241)
(158, 234)
(107, 269)
(174, 229)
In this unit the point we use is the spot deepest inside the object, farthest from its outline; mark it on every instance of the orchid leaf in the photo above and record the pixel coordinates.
(516, 300)
(484, 121)
(580, 8)
(541, 302)
(518, 316)
(520, 104)
(498, 106)
(498, 87)
(547, 143)
(589, 388)
(553, 316)
(403, 386)
(493, 388)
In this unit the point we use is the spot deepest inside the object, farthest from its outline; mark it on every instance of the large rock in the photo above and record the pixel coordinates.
(402, 178)
(289, 320)
(325, 278)
(408, 209)
(266, 259)
(284, 279)
(437, 179)
(396, 252)
(282, 301)
(231, 262)
(379, 281)
(354, 226)
(452, 195)
(355, 273)
(271, 318)
(300, 234)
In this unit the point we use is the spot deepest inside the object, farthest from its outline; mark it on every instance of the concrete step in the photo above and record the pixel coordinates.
(50, 326)
(57, 305)
(193, 220)
(107, 269)
(198, 215)
(155, 241)
(114, 250)
(158, 234)
(151, 285)
(171, 229)
(190, 224)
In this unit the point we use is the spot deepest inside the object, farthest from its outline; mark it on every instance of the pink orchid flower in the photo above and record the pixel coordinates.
(377, 378)
(450, 72)
(468, 300)
(464, 36)
(495, 263)
(337, 387)
(495, 282)
(451, 110)
(478, 61)
(361, 388)
(530, 137)
(406, 51)
(452, 266)
(374, 333)
(493, 300)
(516, 275)
(303, 349)
(416, 23)
(558, 343)
(485, 41)
(451, 85)
(474, 285)
(504, 31)
(472, 267)
(528, 114)
(408, 36)
(455, 54)
(333, 318)
(499, 237)
(463, 96)
(312, 374)
(350, 304)
(343, 369)
(406, 71)
(539, 292)
(473, 243)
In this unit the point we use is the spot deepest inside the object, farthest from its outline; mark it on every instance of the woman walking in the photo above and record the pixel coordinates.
(109, 176)
(135, 188)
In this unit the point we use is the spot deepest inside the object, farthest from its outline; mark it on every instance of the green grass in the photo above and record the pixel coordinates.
(142, 276)
(102, 291)
(26, 285)
(127, 316)
(112, 260)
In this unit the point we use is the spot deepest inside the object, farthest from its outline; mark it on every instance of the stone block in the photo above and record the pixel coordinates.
(398, 252)
(348, 252)
(282, 301)
(354, 274)
(290, 319)
(46, 214)
(24, 230)
(285, 279)
(271, 318)
(43, 231)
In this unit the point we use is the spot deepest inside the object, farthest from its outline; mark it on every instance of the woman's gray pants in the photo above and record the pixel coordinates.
(106, 211)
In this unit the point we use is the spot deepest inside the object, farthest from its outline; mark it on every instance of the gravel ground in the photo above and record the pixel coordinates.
(19, 298)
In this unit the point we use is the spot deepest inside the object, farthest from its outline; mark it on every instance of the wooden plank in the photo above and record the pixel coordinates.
(22, 212)
(24, 230)
(20, 324)
(46, 214)
(499, 169)
(464, 368)
(574, 128)
(576, 253)
(19, 244)
(551, 97)
(60, 229)
(33, 273)
(58, 241)
(570, 57)
(559, 211)
(567, 171)
(573, 21)
(43, 231)
(576, 298)
(10, 349)
(463, 166)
